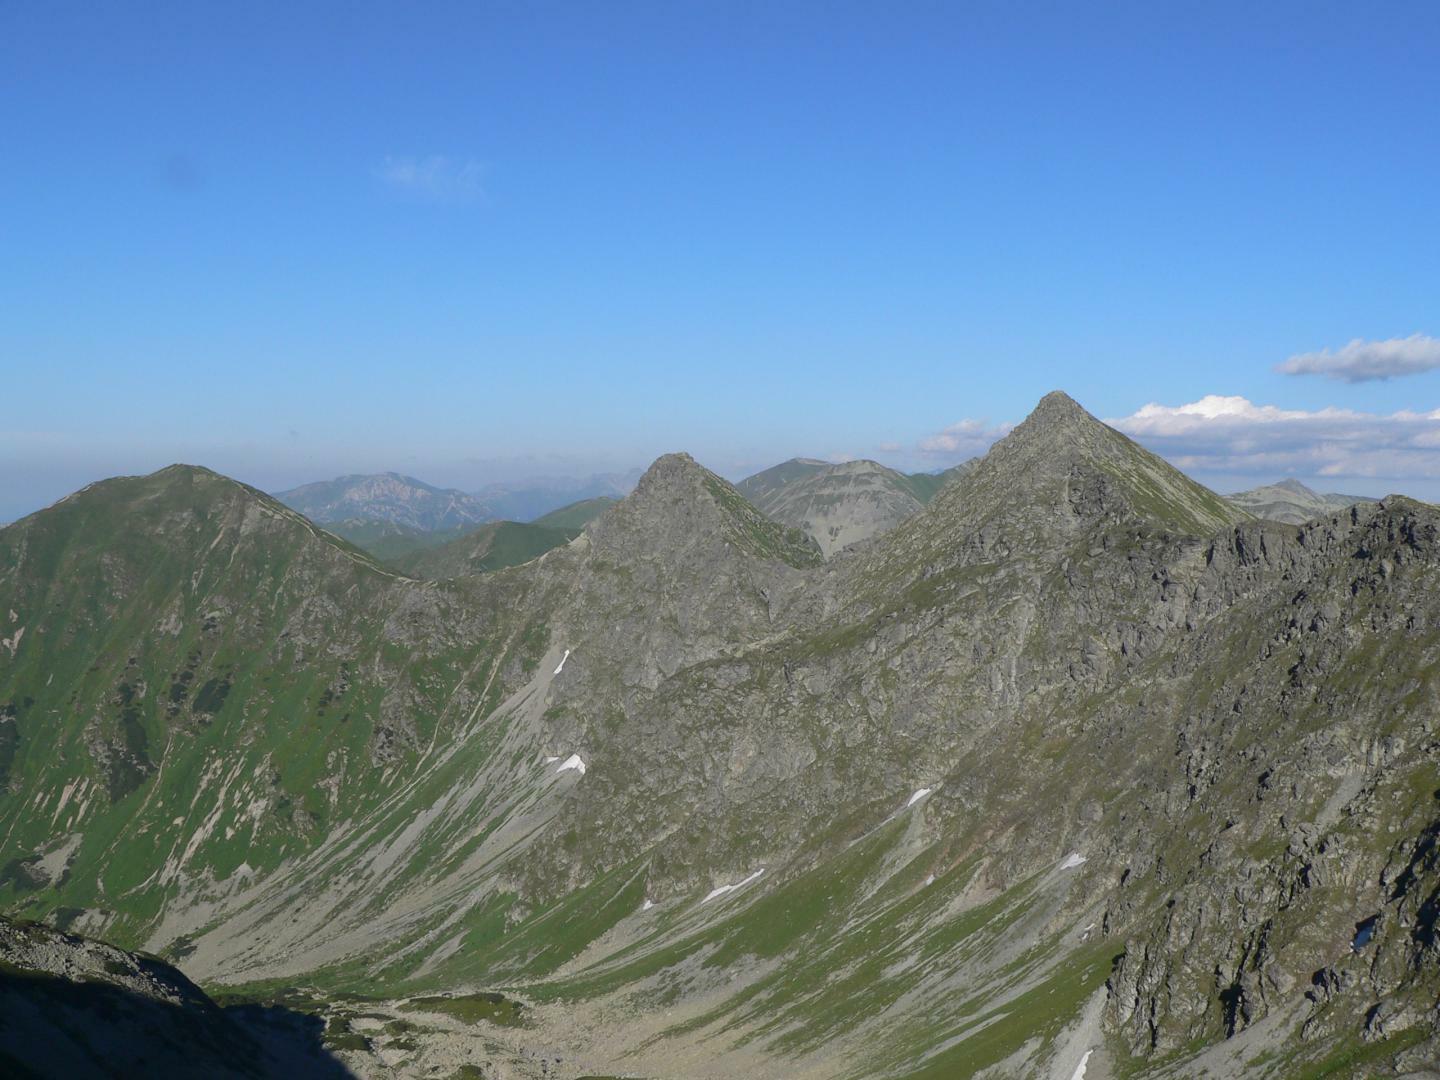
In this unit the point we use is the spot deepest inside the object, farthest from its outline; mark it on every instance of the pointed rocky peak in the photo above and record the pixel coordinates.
(1058, 406)
(1295, 487)
(679, 502)
(673, 483)
(1062, 457)
(1056, 419)
(670, 471)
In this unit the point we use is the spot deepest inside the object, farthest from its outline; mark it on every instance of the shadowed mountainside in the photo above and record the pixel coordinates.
(74, 1007)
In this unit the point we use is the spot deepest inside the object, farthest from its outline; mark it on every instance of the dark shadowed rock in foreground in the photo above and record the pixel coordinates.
(75, 1007)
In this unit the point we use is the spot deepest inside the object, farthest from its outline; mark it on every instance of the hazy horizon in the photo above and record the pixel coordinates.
(475, 475)
(475, 244)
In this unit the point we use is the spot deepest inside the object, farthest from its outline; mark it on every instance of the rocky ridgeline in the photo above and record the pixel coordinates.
(1079, 747)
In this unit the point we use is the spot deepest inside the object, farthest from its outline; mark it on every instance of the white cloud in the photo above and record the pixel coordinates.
(436, 178)
(962, 440)
(1361, 361)
(1234, 436)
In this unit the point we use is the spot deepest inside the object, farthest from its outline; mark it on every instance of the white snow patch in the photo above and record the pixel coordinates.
(930, 880)
(1072, 860)
(723, 889)
(70, 789)
(562, 661)
(551, 760)
(572, 762)
(917, 797)
(13, 643)
(647, 905)
(56, 861)
(1079, 1073)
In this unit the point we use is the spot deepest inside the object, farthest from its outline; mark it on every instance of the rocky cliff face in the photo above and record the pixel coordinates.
(1078, 758)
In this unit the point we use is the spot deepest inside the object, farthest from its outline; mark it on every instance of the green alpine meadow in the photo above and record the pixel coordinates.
(1078, 764)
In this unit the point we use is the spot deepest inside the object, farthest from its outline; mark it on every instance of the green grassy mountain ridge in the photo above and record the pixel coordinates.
(1076, 759)
(577, 514)
(486, 547)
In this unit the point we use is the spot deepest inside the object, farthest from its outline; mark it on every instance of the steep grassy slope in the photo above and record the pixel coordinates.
(925, 486)
(486, 547)
(388, 540)
(199, 685)
(1076, 759)
(530, 500)
(576, 515)
(769, 482)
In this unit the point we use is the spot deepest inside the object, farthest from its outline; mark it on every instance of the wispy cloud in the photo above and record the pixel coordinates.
(1235, 436)
(1361, 361)
(961, 440)
(436, 178)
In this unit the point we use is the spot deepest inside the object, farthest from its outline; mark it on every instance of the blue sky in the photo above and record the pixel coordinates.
(475, 241)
